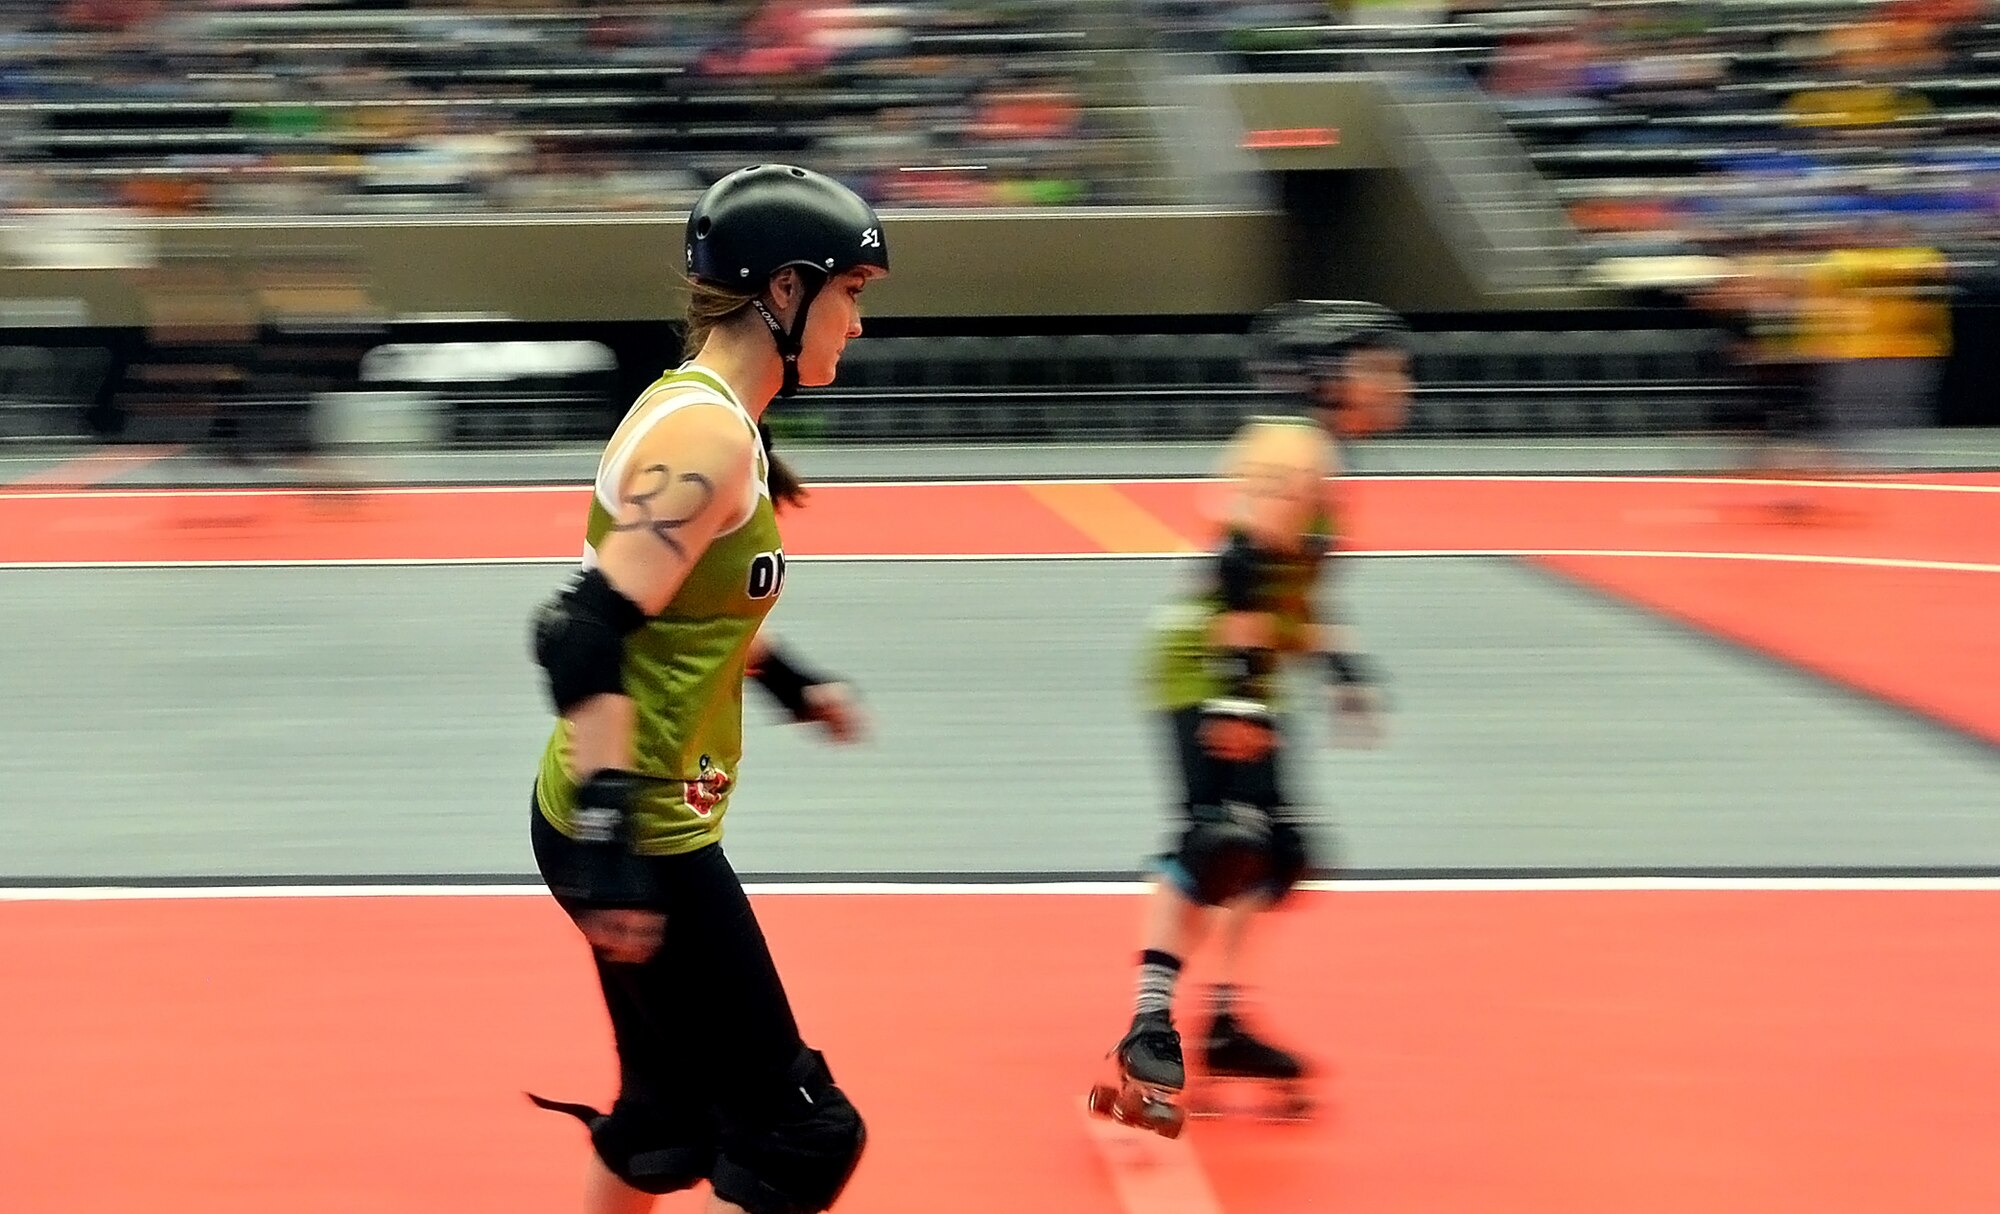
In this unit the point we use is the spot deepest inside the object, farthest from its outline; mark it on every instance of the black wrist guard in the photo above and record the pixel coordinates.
(787, 681)
(604, 871)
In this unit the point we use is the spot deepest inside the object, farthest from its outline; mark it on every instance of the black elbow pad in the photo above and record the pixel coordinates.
(579, 639)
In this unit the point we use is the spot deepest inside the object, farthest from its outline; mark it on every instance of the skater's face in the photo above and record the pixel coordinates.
(1372, 396)
(833, 320)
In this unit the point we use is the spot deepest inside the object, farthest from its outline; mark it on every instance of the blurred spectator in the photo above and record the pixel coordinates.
(1855, 106)
(108, 15)
(1877, 320)
(1037, 110)
(1544, 64)
(1757, 302)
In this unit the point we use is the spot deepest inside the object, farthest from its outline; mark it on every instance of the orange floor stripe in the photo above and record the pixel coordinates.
(1484, 1053)
(895, 520)
(1109, 517)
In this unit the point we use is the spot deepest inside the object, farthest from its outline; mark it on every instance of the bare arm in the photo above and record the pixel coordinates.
(688, 479)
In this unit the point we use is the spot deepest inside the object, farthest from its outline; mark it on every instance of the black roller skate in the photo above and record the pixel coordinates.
(1230, 1052)
(1150, 1078)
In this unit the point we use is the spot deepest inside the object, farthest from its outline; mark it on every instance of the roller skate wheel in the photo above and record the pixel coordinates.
(1101, 1099)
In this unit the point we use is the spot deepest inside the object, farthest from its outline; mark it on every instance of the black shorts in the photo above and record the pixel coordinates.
(1206, 780)
(705, 1034)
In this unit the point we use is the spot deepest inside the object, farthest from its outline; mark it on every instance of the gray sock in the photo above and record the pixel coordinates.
(1158, 972)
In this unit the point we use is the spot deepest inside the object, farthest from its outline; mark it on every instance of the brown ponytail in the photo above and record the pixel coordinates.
(786, 487)
(709, 306)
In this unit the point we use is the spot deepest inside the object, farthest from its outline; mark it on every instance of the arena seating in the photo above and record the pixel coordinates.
(552, 106)
(1657, 125)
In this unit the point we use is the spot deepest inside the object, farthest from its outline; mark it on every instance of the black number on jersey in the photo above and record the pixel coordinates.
(767, 574)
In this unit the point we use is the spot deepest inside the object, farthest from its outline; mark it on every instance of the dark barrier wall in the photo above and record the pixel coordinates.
(641, 349)
(1968, 396)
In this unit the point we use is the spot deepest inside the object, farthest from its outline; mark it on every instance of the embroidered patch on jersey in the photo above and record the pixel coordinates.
(707, 789)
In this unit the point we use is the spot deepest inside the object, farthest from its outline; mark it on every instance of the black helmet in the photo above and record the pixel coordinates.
(1301, 343)
(760, 220)
(770, 217)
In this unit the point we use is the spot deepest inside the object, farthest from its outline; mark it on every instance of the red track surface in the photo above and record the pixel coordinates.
(1488, 1052)
(1448, 514)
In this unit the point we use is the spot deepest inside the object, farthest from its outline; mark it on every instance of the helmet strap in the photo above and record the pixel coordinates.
(791, 341)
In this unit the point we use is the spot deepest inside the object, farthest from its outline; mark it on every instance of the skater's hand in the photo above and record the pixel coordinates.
(1235, 739)
(837, 710)
(623, 936)
(1360, 713)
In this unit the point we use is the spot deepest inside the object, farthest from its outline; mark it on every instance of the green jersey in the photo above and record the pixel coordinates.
(1179, 656)
(684, 668)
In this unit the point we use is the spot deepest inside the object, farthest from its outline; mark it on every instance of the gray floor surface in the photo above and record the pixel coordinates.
(335, 722)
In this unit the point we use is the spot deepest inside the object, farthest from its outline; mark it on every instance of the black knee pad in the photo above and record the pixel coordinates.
(801, 1161)
(1226, 851)
(640, 1150)
(636, 1153)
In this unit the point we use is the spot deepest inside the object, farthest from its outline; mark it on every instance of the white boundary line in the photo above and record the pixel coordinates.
(1797, 558)
(1510, 478)
(1412, 478)
(1439, 885)
(1800, 558)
